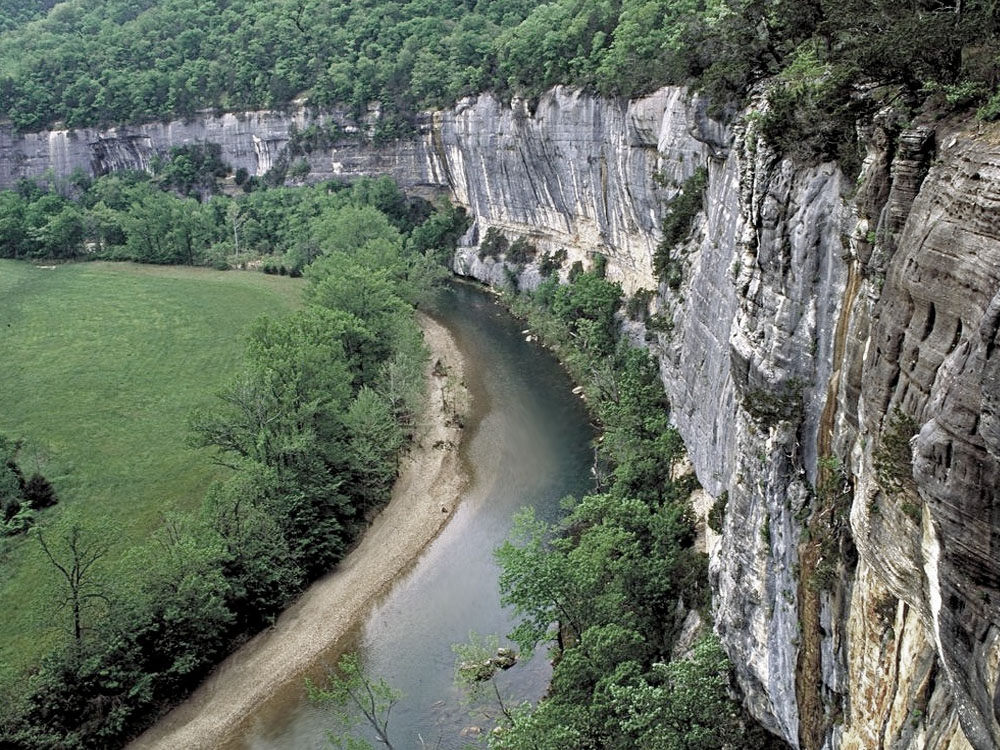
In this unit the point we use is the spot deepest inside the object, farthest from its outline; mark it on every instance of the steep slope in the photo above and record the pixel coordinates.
(831, 361)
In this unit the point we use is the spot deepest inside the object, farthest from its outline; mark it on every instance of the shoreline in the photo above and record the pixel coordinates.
(423, 499)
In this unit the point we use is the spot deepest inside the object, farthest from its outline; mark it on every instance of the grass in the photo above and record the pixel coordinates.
(100, 366)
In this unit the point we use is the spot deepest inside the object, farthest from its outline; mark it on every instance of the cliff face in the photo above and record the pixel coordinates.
(832, 366)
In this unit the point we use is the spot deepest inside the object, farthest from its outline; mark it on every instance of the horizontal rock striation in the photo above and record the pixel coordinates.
(829, 346)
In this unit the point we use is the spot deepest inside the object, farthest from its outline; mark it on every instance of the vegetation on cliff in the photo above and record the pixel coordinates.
(106, 62)
(620, 573)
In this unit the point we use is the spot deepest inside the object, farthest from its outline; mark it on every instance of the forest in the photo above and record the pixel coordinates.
(94, 63)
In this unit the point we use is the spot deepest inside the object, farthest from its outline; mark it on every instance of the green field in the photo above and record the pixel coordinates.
(100, 366)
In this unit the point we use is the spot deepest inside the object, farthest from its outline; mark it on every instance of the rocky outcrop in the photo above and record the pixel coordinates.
(930, 336)
(830, 355)
(820, 319)
(254, 141)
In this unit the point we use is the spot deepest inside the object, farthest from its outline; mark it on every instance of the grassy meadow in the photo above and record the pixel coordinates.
(100, 366)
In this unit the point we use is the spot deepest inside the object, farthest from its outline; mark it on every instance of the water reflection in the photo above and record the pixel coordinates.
(527, 443)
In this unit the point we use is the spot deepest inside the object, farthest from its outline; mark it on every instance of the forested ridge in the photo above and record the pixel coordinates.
(88, 62)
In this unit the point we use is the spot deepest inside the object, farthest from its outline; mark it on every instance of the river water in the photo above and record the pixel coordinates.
(527, 443)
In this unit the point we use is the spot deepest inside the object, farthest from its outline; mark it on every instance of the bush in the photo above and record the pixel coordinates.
(990, 111)
(681, 212)
(812, 112)
(637, 307)
(717, 515)
(39, 493)
(521, 251)
(493, 244)
(893, 456)
(770, 407)
(551, 262)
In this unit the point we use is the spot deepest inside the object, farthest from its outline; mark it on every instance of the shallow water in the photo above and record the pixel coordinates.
(527, 443)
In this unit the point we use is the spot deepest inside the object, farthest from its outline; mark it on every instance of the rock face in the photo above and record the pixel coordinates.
(254, 141)
(832, 364)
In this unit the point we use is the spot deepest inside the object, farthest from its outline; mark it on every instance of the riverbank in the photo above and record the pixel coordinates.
(423, 499)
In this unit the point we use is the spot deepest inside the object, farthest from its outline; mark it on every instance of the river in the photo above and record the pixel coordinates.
(527, 443)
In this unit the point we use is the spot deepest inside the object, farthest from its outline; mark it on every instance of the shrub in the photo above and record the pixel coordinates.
(769, 407)
(893, 457)
(39, 493)
(521, 251)
(991, 109)
(681, 212)
(600, 267)
(717, 515)
(637, 307)
(550, 263)
(493, 244)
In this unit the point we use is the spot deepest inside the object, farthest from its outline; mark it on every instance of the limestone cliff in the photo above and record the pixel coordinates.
(831, 360)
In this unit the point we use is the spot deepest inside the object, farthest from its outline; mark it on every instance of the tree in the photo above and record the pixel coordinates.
(348, 228)
(259, 563)
(61, 236)
(180, 614)
(39, 493)
(588, 306)
(684, 705)
(375, 441)
(75, 554)
(356, 698)
(538, 580)
(13, 239)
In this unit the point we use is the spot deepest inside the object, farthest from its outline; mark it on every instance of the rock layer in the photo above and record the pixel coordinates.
(831, 361)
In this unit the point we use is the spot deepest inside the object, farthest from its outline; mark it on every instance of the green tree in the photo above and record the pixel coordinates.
(539, 581)
(348, 228)
(684, 705)
(375, 441)
(355, 698)
(178, 607)
(259, 564)
(14, 241)
(588, 307)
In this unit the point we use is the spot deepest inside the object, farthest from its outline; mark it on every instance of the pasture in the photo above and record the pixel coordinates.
(100, 367)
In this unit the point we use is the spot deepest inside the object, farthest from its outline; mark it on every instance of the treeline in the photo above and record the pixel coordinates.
(619, 574)
(175, 217)
(312, 428)
(98, 63)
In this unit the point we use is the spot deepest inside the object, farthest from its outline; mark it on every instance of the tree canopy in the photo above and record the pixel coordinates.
(91, 63)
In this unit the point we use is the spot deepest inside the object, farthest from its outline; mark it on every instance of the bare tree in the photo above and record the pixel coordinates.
(74, 555)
